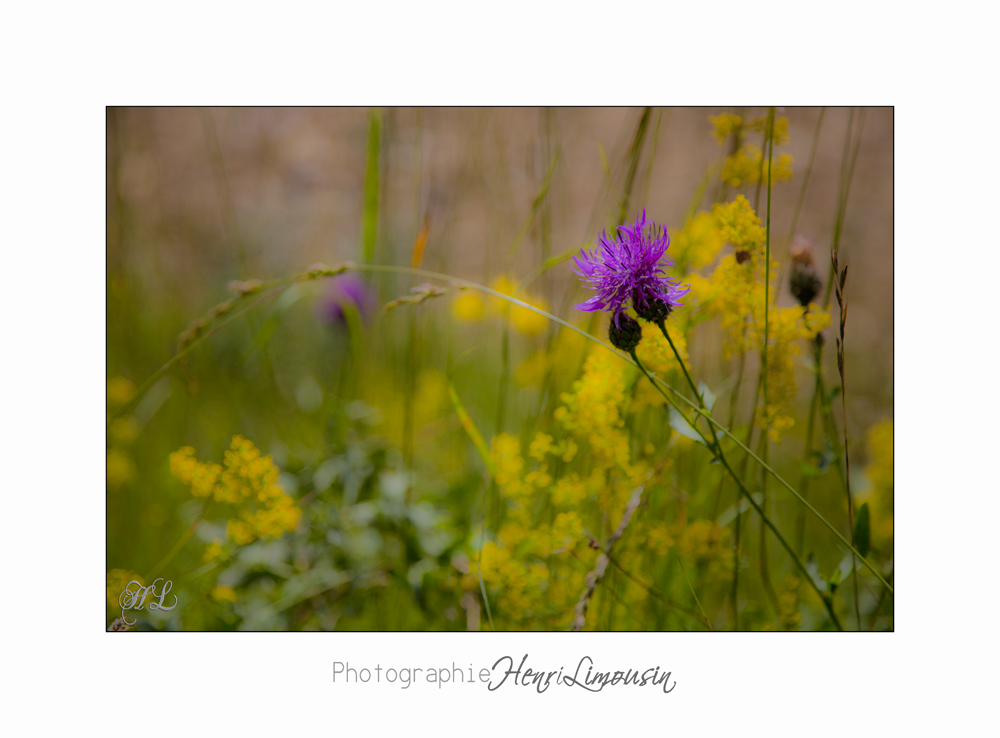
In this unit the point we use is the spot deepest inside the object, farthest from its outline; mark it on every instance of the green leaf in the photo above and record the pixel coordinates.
(863, 530)
(834, 393)
(679, 424)
(706, 395)
(473, 432)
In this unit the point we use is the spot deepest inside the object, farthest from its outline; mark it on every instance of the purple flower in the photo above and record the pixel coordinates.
(349, 289)
(628, 267)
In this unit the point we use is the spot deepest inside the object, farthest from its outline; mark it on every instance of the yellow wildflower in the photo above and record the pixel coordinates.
(213, 551)
(246, 479)
(724, 125)
(468, 306)
(120, 469)
(224, 593)
(119, 391)
(698, 243)
(880, 472)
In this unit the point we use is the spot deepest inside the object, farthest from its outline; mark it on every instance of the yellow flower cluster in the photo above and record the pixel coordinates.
(468, 306)
(735, 294)
(526, 570)
(745, 166)
(725, 125)
(593, 410)
(704, 544)
(697, 244)
(701, 543)
(246, 480)
(880, 472)
(117, 580)
(786, 326)
(656, 355)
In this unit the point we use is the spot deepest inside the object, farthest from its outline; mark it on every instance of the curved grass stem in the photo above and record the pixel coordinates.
(716, 449)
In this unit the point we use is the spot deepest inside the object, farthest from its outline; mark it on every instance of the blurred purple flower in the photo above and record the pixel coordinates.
(349, 290)
(627, 267)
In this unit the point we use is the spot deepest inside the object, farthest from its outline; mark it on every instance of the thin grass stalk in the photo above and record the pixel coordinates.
(842, 302)
(634, 153)
(769, 141)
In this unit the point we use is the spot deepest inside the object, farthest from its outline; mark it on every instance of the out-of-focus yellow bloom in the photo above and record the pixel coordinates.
(704, 544)
(213, 551)
(540, 446)
(724, 125)
(880, 472)
(224, 593)
(120, 391)
(522, 319)
(698, 243)
(531, 372)
(659, 539)
(527, 321)
(117, 581)
(120, 469)
(468, 306)
(747, 166)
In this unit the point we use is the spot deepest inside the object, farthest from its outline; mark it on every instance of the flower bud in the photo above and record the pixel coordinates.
(655, 309)
(626, 335)
(803, 282)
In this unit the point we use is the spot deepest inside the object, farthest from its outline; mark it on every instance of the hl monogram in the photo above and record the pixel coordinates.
(133, 599)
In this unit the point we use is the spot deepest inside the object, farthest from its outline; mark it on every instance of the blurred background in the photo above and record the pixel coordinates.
(197, 198)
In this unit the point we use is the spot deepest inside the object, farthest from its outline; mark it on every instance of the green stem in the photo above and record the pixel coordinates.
(716, 449)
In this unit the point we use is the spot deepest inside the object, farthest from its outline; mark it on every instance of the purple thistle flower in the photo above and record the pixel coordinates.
(349, 289)
(628, 267)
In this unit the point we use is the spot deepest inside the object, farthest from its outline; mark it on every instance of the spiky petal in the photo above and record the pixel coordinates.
(628, 267)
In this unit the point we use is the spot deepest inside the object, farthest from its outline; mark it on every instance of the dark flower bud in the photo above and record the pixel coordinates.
(803, 282)
(626, 335)
(655, 309)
